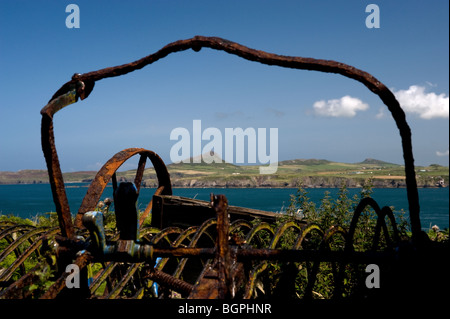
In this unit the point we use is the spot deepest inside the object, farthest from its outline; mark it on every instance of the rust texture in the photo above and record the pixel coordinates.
(223, 259)
(81, 261)
(196, 43)
(56, 178)
(232, 265)
(225, 254)
(108, 170)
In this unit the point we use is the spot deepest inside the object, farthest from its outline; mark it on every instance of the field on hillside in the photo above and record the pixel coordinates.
(291, 173)
(310, 172)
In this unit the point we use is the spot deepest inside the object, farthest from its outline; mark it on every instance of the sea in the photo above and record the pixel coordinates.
(31, 200)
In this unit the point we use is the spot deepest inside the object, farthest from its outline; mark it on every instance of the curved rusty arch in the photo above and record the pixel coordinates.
(381, 213)
(108, 171)
(81, 85)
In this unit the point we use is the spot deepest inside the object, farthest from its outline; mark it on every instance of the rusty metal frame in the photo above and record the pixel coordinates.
(230, 263)
(223, 274)
(81, 85)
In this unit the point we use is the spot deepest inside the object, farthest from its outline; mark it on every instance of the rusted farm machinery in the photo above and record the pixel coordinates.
(198, 249)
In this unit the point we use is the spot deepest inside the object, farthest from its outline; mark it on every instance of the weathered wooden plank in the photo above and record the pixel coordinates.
(184, 212)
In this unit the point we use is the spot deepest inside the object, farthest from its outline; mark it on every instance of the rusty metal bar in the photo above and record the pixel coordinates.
(68, 94)
(381, 214)
(16, 290)
(26, 236)
(223, 258)
(149, 207)
(6, 274)
(102, 276)
(140, 172)
(183, 252)
(123, 281)
(246, 253)
(56, 179)
(10, 229)
(81, 261)
(170, 282)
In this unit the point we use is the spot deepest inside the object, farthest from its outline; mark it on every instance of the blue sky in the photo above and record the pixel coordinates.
(317, 115)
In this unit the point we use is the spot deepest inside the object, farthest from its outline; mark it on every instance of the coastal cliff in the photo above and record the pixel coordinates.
(311, 173)
(308, 182)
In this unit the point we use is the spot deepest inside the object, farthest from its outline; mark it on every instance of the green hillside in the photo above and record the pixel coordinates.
(290, 173)
(310, 172)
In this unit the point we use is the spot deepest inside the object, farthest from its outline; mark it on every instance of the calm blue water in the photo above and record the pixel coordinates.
(27, 201)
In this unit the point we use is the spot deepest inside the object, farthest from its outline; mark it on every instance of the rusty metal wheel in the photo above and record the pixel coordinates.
(108, 172)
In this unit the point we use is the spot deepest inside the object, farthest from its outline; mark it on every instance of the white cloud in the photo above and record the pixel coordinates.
(426, 105)
(346, 106)
(446, 153)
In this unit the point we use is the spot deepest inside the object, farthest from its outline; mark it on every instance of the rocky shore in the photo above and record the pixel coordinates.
(309, 182)
(309, 173)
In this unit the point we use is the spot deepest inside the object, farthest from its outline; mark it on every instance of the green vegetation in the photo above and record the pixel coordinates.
(37, 262)
(331, 212)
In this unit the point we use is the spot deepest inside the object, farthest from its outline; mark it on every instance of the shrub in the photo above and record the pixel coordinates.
(329, 212)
